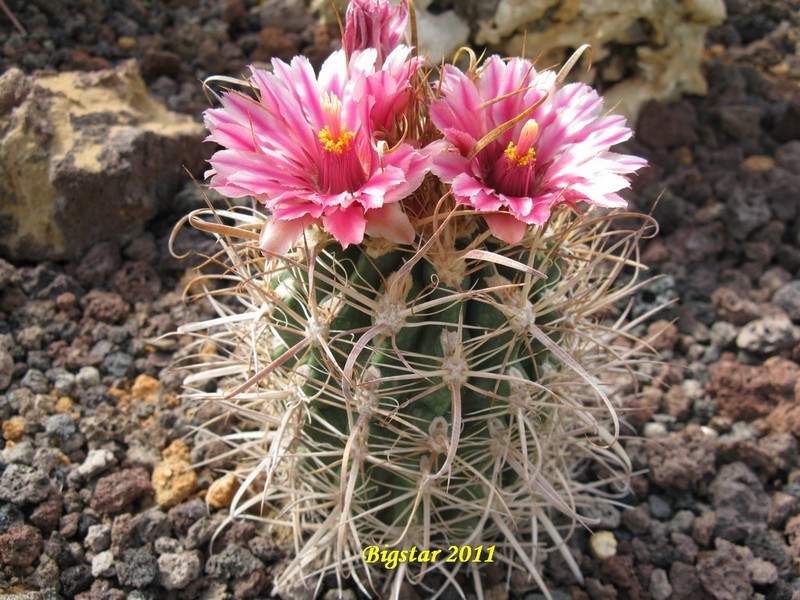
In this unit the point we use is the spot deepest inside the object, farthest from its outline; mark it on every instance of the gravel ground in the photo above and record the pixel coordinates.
(97, 499)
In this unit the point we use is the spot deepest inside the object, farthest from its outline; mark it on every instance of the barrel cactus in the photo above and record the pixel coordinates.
(419, 338)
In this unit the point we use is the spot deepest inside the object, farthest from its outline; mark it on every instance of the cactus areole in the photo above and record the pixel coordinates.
(418, 339)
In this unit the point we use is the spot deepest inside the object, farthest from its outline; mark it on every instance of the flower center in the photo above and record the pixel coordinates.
(513, 174)
(523, 153)
(341, 168)
(338, 142)
(517, 159)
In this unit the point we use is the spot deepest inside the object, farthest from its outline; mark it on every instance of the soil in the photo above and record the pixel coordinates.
(96, 497)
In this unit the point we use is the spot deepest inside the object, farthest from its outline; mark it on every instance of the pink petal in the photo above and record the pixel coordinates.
(449, 165)
(469, 190)
(506, 227)
(278, 236)
(391, 223)
(346, 225)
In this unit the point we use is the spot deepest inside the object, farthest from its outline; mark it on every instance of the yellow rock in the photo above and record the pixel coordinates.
(603, 545)
(64, 405)
(209, 348)
(14, 429)
(126, 43)
(759, 163)
(177, 450)
(174, 479)
(147, 388)
(221, 492)
(666, 40)
(100, 161)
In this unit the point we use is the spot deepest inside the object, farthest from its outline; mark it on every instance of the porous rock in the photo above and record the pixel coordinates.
(21, 484)
(173, 479)
(138, 568)
(176, 571)
(739, 501)
(233, 561)
(116, 491)
(680, 460)
(745, 392)
(86, 157)
(20, 546)
(723, 572)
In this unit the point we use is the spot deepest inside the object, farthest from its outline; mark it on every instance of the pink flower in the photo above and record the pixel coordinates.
(557, 152)
(310, 150)
(374, 24)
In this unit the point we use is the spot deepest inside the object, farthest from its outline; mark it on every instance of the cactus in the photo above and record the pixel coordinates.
(417, 359)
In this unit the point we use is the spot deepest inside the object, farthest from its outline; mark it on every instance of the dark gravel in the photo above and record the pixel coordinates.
(91, 502)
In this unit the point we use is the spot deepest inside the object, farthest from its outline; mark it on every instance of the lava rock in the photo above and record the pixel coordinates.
(21, 484)
(97, 461)
(680, 460)
(667, 125)
(685, 582)
(233, 561)
(116, 491)
(138, 568)
(20, 546)
(47, 514)
(10, 516)
(746, 392)
(98, 537)
(137, 281)
(723, 572)
(103, 564)
(99, 263)
(76, 579)
(176, 571)
(6, 369)
(767, 335)
(60, 426)
(107, 307)
(788, 298)
(739, 501)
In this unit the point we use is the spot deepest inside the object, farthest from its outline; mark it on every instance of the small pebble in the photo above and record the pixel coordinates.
(96, 462)
(103, 564)
(20, 546)
(762, 572)
(655, 430)
(138, 568)
(59, 426)
(660, 589)
(177, 571)
(603, 545)
(659, 507)
(14, 428)
(98, 537)
(167, 545)
(221, 492)
(87, 377)
(21, 484)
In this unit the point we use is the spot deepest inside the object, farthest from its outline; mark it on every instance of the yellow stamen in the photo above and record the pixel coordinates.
(337, 144)
(520, 161)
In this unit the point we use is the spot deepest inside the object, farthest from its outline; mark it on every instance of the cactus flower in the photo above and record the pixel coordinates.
(555, 149)
(311, 149)
(374, 24)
